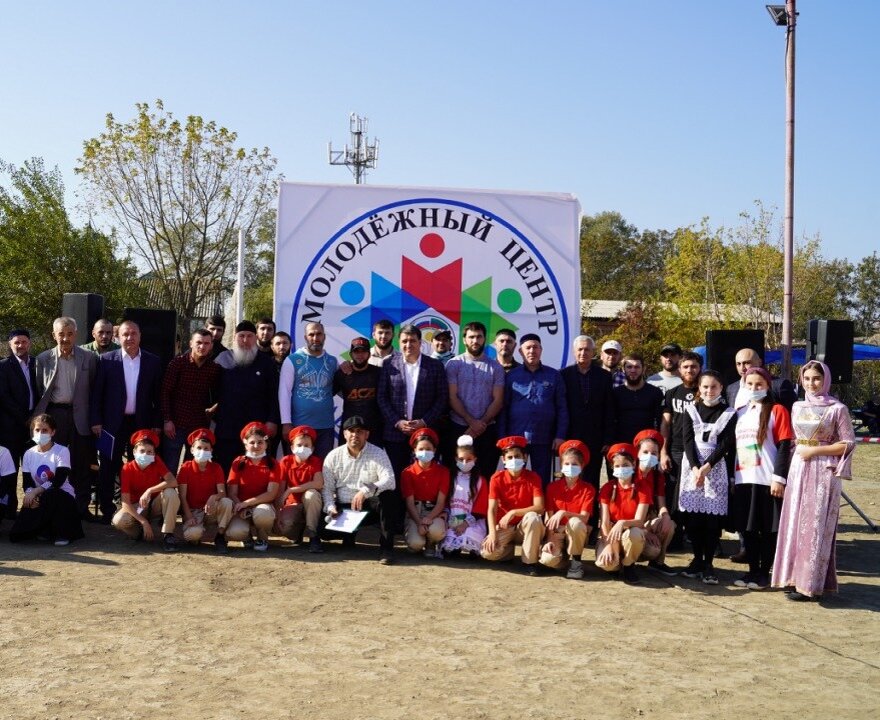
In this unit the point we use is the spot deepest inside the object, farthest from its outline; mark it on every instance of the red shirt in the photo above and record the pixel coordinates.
(424, 484)
(655, 480)
(294, 474)
(200, 484)
(578, 499)
(134, 481)
(514, 493)
(253, 478)
(624, 503)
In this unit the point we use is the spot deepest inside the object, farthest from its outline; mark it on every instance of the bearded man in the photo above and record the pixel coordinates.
(358, 390)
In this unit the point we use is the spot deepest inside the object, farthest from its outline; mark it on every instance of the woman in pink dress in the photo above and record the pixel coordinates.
(808, 523)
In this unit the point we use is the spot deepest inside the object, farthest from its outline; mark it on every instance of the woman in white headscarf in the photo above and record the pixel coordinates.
(805, 556)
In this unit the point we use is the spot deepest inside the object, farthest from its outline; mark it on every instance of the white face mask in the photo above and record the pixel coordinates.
(514, 464)
(571, 471)
(202, 455)
(648, 461)
(622, 473)
(424, 455)
(711, 402)
(757, 395)
(41, 438)
(144, 460)
(255, 456)
(465, 465)
(302, 452)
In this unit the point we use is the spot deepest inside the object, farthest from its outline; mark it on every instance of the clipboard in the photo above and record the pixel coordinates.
(348, 521)
(105, 444)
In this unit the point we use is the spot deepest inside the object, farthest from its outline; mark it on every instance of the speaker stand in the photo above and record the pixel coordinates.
(862, 515)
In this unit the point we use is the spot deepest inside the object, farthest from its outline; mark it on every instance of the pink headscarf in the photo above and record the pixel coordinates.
(823, 397)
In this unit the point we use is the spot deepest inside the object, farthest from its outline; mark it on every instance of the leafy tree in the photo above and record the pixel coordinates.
(43, 256)
(866, 291)
(179, 191)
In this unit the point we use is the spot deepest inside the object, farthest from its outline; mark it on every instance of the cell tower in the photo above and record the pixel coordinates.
(360, 155)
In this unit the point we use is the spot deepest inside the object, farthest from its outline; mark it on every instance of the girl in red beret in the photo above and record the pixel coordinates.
(202, 489)
(253, 484)
(142, 482)
(300, 502)
(424, 485)
(468, 502)
(660, 527)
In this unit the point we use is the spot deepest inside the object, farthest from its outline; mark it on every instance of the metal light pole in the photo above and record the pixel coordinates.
(786, 16)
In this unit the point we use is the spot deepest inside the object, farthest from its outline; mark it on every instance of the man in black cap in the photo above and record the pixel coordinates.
(18, 394)
(669, 377)
(248, 392)
(358, 476)
(441, 344)
(358, 389)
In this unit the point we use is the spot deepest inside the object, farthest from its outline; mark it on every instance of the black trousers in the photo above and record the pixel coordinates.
(82, 453)
(111, 464)
(381, 509)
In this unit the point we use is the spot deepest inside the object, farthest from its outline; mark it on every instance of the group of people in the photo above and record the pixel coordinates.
(460, 453)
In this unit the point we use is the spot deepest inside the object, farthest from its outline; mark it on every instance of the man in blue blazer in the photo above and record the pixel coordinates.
(125, 398)
(405, 412)
(18, 393)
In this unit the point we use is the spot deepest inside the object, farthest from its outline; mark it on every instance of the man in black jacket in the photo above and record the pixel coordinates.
(18, 394)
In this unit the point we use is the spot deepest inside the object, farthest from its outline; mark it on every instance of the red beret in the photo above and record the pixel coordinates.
(575, 445)
(649, 435)
(254, 426)
(201, 434)
(147, 435)
(621, 449)
(302, 430)
(512, 441)
(423, 433)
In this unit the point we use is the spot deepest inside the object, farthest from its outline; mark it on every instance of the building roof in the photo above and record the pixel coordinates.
(609, 309)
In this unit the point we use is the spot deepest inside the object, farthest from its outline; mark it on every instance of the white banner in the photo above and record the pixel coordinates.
(349, 255)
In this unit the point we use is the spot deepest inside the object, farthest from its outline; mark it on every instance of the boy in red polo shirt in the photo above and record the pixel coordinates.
(300, 502)
(516, 503)
(202, 489)
(569, 504)
(424, 486)
(142, 482)
(625, 502)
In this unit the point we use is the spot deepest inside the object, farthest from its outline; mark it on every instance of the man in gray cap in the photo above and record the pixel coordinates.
(610, 356)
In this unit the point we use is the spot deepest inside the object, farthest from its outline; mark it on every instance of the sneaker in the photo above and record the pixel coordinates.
(693, 570)
(315, 545)
(170, 543)
(248, 544)
(61, 542)
(759, 582)
(709, 577)
(261, 545)
(386, 558)
(575, 570)
(630, 576)
(220, 544)
(662, 567)
(744, 580)
(532, 570)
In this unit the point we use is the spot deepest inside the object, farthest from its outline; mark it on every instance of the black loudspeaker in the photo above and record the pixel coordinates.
(86, 309)
(158, 330)
(723, 345)
(831, 342)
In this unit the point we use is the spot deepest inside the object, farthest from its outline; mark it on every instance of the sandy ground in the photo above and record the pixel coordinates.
(110, 629)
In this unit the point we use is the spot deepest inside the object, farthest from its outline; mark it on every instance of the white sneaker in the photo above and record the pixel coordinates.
(261, 545)
(575, 570)
(61, 542)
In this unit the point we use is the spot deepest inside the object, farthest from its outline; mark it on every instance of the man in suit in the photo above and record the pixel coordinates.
(782, 388)
(590, 405)
(413, 394)
(125, 398)
(18, 390)
(65, 375)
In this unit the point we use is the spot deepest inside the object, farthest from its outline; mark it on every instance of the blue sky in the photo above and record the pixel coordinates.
(664, 111)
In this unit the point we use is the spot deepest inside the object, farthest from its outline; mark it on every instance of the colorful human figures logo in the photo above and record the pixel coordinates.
(432, 300)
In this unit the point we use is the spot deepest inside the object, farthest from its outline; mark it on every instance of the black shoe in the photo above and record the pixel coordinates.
(662, 567)
(739, 557)
(693, 570)
(170, 543)
(86, 516)
(315, 545)
(630, 576)
(796, 596)
(103, 520)
(220, 544)
(348, 541)
(386, 557)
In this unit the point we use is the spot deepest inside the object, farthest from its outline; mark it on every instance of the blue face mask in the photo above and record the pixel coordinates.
(465, 465)
(757, 395)
(623, 473)
(424, 455)
(514, 464)
(571, 471)
(648, 461)
(143, 460)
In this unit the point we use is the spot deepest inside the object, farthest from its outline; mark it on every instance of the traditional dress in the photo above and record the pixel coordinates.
(464, 509)
(805, 550)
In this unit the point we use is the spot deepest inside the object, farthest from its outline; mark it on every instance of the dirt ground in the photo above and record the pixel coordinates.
(110, 629)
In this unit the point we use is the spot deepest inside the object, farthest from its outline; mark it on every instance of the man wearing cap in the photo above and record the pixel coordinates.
(505, 344)
(441, 344)
(358, 476)
(476, 396)
(102, 334)
(125, 398)
(18, 395)
(65, 375)
(359, 390)
(248, 392)
(783, 389)
(535, 406)
(305, 390)
(590, 405)
(669, 377)
(610, 361)
(189, 394)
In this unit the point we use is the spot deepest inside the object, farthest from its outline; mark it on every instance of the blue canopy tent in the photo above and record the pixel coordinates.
(799, 354)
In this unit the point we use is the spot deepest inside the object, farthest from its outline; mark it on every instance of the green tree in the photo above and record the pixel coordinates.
(179, 192)
(43, 256)
(866, 294)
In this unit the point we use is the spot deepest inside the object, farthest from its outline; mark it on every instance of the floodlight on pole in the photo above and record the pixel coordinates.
(360, 155)
(779, 14)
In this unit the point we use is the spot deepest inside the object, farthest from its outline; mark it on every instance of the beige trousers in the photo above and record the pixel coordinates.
(527, 533)
(294, 519)
(655, 542)
(415, 541)
(632, 542)
(164, 505)
(260, 522)
(572, 538)
(220, 516)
